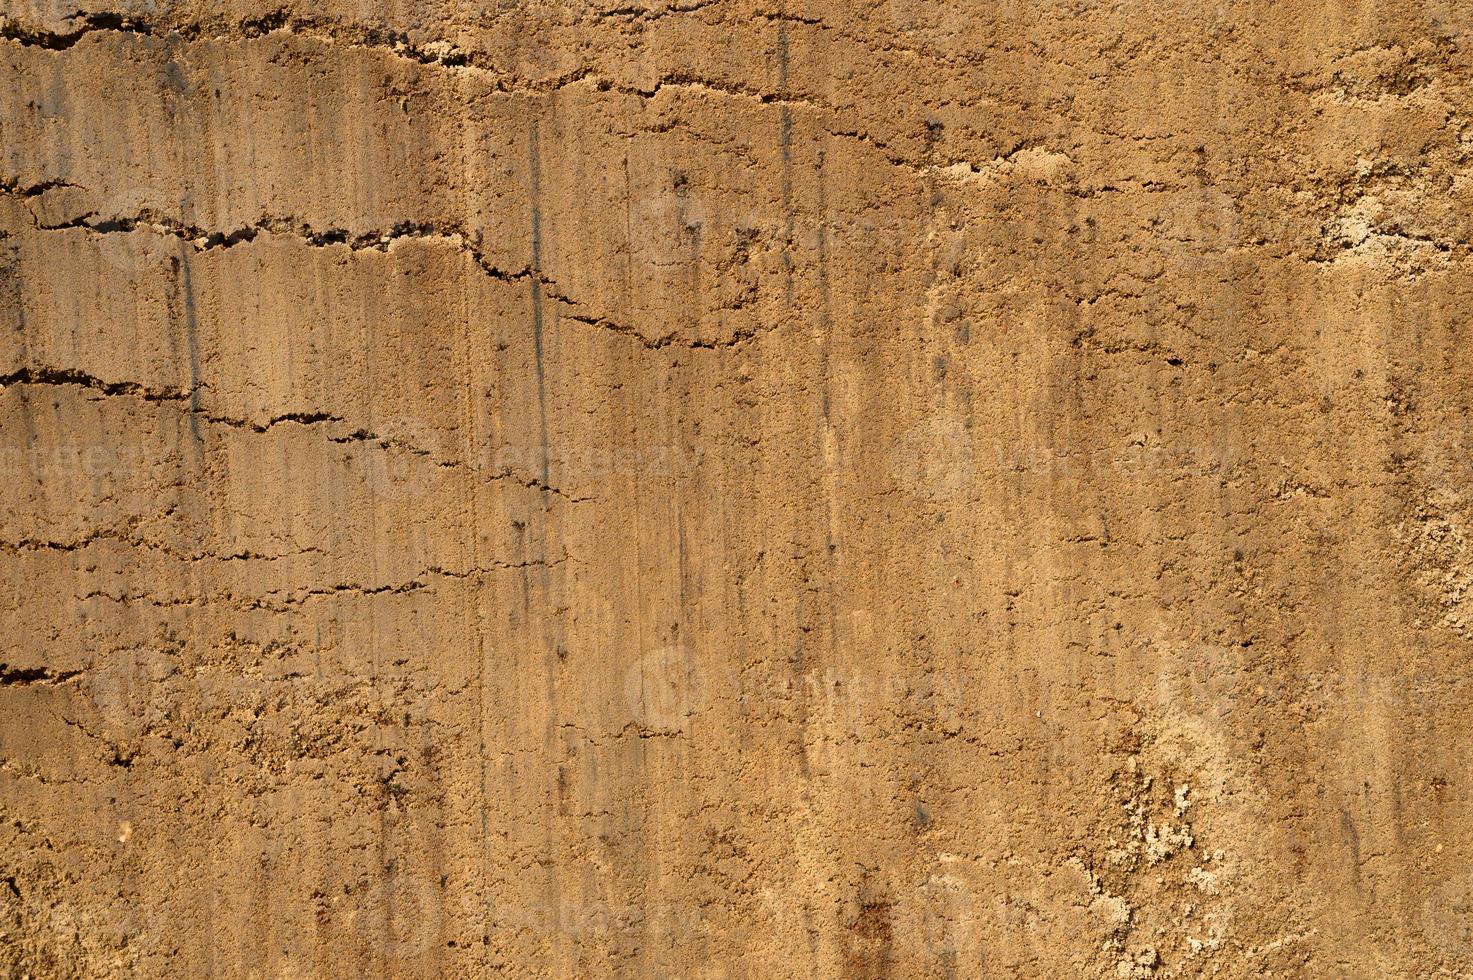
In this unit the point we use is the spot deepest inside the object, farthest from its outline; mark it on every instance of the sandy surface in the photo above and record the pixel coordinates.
(895, 489)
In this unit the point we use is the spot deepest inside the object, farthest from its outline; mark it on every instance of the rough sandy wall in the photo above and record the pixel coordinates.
(885, 489)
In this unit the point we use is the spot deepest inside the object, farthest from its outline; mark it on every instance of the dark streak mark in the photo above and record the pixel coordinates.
(534, 166)
(34, 675)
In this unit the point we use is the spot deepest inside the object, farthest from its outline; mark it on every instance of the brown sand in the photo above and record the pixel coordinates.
(898, 489)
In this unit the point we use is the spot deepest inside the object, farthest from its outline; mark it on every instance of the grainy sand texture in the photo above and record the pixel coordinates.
(736, 489)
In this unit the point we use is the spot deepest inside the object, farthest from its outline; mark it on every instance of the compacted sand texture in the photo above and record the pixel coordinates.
(903, 488)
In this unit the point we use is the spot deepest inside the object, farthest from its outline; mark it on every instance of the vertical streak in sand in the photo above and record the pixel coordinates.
(785, 145)
(534, 202)
(534, 171)
(785, 177)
